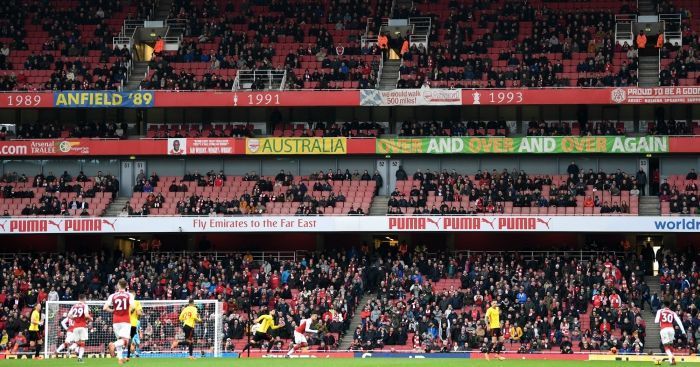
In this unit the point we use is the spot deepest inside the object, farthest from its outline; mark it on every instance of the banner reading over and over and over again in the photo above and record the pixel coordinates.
(524, 145)
(487, 223)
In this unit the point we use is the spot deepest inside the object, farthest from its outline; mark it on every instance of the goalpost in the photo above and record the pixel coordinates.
(159, 327)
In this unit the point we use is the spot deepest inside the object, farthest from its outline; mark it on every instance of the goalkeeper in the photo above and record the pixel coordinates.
(136, 340)
(262, 327)
(134, 316)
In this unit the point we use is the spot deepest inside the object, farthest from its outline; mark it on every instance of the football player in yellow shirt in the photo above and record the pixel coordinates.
(34, 336)
(493, 324)
(263, 325)
(189, 316)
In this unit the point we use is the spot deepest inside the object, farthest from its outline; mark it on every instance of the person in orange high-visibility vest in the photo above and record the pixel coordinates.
(383, 43)
(660, 41)
(159, 46)
(404, 46)
(641, 40)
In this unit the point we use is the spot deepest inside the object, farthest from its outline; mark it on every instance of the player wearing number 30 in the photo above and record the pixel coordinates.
(665, 318)
(120, 305)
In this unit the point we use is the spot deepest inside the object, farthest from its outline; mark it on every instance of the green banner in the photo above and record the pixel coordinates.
(524, 145)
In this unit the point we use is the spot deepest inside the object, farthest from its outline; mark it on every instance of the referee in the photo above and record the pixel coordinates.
(33, 333)
(266, 322)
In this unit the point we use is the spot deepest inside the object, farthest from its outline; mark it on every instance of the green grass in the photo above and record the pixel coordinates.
(258, 362)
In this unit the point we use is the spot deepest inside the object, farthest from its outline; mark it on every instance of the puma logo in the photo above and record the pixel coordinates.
(108, 223)
(490, 222)
(435, 222)
(546, 223)
(57, 225)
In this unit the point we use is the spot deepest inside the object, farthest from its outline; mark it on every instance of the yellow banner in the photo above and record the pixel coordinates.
(275, 146)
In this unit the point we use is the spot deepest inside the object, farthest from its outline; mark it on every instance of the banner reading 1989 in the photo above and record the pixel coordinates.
(102, 99)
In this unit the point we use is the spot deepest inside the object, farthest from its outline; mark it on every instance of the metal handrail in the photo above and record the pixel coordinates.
(625, 18)
(581, 254)
(258, 256)
(270, 74)
(371, 40)
(658, 72)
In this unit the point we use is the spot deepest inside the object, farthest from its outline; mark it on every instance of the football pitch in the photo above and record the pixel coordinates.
(260, 362)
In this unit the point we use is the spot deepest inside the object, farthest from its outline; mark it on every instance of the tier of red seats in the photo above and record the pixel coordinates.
(358, 194)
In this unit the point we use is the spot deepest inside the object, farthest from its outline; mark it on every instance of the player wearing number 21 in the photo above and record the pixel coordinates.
(188, 317)
(120, 304)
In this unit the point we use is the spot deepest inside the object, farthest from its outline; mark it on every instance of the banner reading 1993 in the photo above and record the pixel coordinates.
(104, 99)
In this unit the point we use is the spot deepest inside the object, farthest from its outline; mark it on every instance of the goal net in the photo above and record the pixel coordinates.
(159, 328)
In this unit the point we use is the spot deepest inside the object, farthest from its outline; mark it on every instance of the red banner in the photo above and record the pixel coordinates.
(351, 98)
(257, 99)
(684, 144)
(603, 96)
(172, 146)
(362, 146)
(27, 100)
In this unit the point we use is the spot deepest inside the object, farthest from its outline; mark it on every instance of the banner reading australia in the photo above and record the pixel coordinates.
(410, 97)
(525, 145)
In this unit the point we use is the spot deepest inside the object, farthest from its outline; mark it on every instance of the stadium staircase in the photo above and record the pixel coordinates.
(116, 206)
(137, 74)
(646, 7)
(163, 9)
(649, 205)
(380, 205)
(649, 71)
(653, 339)
(390, 74)
(400, 4)
(346, 341)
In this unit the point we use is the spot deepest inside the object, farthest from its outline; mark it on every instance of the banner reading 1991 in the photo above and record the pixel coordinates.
(102, 99)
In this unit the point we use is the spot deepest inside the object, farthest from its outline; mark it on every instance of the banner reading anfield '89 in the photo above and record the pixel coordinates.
(525, 145)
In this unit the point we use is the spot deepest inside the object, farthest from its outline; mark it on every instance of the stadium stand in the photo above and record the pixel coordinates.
(437, 304)
(679, 194)
(216, 194)
(65, 48)
(504, 192)
(327, 284)
(53, 195)
(516, 45)
(45, 130)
